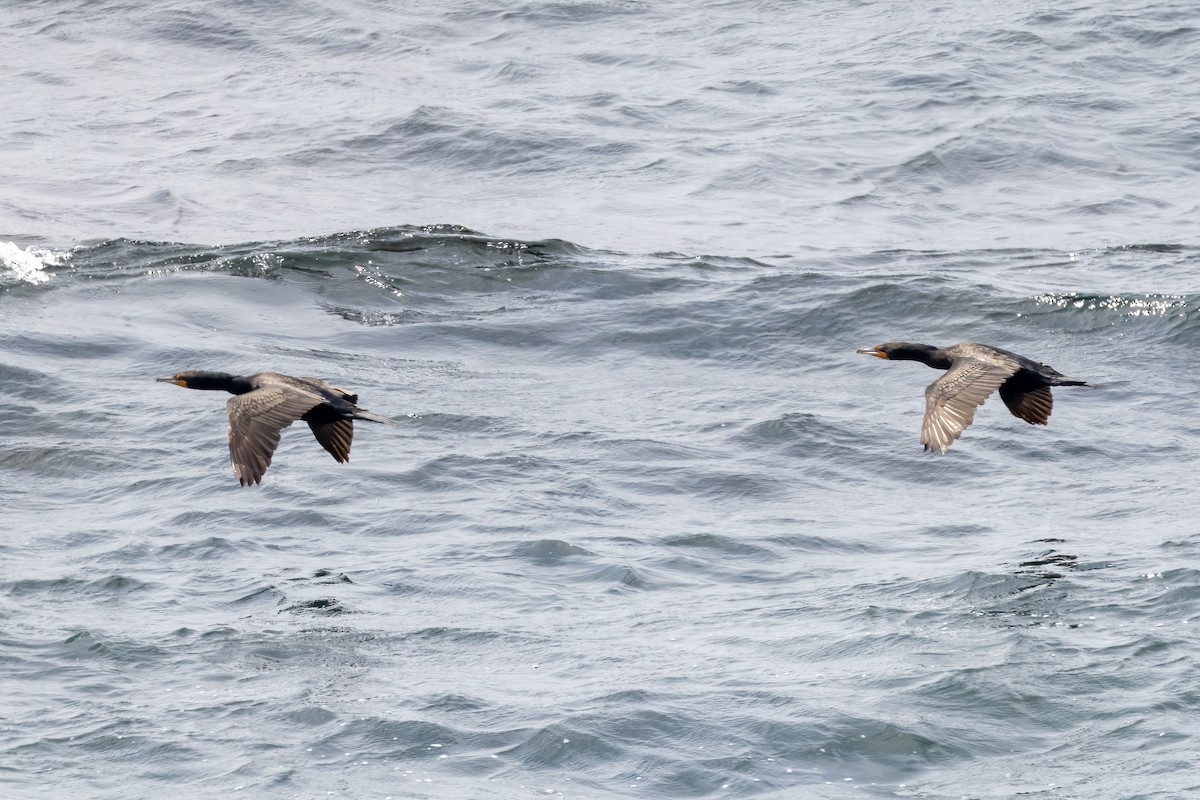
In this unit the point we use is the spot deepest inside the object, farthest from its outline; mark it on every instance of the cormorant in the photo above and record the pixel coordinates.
(974, 371)
(268, 402)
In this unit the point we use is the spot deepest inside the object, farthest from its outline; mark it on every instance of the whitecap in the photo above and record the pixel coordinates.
(28, 264)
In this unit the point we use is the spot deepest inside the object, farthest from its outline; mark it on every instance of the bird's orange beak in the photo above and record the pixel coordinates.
(873, 351)
(173, 380)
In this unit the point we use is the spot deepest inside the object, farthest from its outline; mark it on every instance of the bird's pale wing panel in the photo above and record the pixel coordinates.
(951, 400)
(255, 421)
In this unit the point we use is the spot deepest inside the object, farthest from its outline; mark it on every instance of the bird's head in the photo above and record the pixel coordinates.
(899, 351)
(199, 379)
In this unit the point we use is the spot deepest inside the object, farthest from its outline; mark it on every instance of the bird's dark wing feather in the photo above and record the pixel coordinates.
(1033, 406)
(255, 421)
(338, 394)
(332, 430)
(951, 400)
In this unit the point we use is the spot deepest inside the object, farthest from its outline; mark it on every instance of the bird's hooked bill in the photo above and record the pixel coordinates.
(872, 351)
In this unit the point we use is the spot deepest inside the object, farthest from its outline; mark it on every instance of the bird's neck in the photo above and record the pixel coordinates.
(221, 382)
(238, 385)
(926, 354)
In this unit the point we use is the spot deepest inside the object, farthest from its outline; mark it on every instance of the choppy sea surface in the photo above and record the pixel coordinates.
(650, 527)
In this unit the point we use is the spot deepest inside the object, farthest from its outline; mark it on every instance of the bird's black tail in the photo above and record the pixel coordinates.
(1071, 382)
(370, 416)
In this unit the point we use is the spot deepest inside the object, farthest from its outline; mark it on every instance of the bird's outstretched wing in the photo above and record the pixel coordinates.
(255, 421)
(1033, 406)
(334, 431)
(951, 400)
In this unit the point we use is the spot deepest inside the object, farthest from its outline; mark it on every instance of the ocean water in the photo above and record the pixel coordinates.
(650, 527)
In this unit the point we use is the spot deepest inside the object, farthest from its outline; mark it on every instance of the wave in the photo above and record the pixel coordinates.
(577, 300)
(27, 265)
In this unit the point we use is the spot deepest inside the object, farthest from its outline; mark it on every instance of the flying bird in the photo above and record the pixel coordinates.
(974, 371)
(268, 402)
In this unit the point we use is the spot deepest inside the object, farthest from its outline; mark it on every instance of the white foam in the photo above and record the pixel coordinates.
(28, 264)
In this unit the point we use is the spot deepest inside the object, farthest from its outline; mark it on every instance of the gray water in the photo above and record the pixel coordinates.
(650, 528)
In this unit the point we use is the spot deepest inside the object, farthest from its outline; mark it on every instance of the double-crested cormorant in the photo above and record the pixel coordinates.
(268, 402)
(974, 371)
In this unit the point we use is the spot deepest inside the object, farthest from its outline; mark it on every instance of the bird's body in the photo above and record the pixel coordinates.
(267, 402)
(974, 371)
